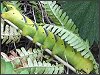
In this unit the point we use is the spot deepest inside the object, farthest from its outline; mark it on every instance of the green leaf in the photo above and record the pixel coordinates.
(85, 15)
(24, 72)
(6, 67)
(9, 68)
(3, 9)
(3, 66)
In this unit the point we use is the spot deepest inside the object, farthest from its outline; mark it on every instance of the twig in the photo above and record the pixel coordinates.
(41, 11)
(67, 70)
(67, 67)
(14, 45)
(45, 14)
(10, 23)
(48, 51)
(47, 18)
(25, 8)
(33, 15)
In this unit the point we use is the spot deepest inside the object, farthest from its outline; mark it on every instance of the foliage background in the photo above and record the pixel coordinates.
(85, 14)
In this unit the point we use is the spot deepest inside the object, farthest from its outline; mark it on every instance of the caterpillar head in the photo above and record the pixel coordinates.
(13, 17)
(8, 5)
(10, 15)
(11, 11)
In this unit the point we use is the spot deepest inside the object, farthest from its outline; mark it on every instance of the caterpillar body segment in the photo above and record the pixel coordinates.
(28, 30)
(51, 38)
(59, 48)
(56, 44)
(40, 35)
(77, 60)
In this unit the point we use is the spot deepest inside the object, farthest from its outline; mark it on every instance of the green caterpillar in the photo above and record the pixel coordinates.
(54, 43)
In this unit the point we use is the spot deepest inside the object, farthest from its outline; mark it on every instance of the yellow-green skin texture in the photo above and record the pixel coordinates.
(18, 14)
(48, 41)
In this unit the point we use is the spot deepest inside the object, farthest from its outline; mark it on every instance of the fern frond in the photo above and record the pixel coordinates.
(41, 68)
(36, 67)
(28, 63)
(59, 17)
(73, 40)
(3, 8)
(8, 33)
(33, 54)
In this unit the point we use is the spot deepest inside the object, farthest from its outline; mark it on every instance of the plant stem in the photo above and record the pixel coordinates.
(48, 51)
